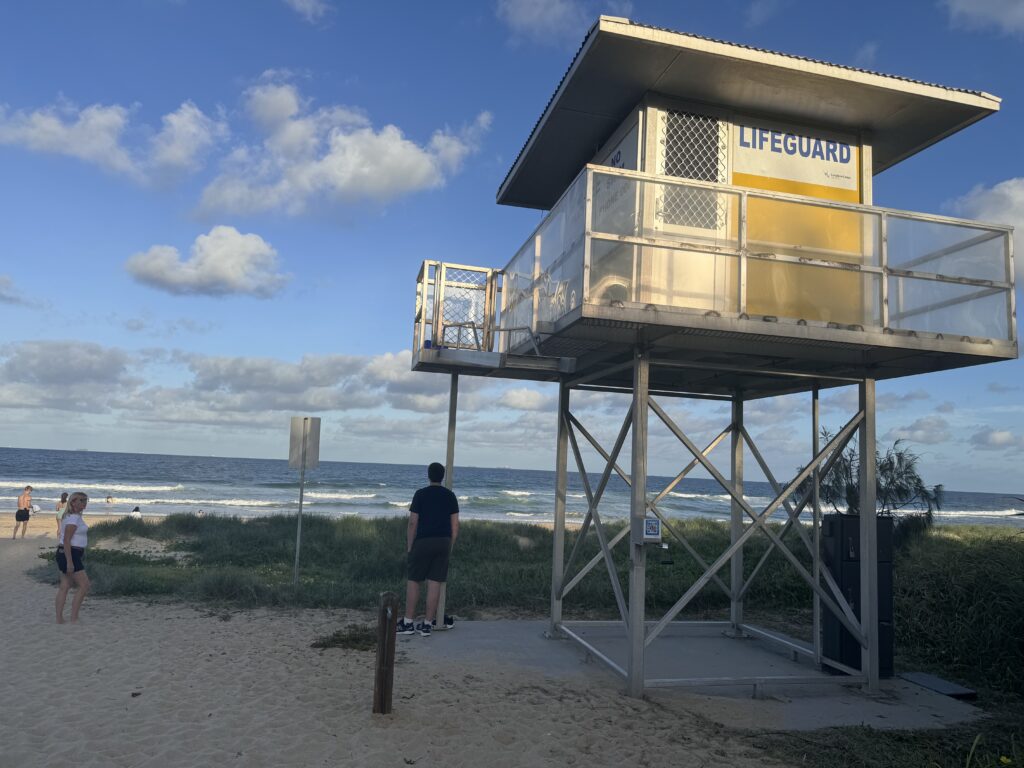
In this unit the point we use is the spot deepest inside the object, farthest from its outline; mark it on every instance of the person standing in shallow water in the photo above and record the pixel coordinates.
(433, 528)
(71, 556)
(24, 512)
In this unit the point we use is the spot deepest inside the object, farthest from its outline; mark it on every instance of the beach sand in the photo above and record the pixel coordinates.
(163, 684)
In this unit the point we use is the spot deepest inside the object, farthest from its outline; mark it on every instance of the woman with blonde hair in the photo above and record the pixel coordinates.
(61, 506)
(71, 556)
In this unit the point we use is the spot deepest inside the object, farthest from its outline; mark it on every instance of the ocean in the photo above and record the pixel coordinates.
(161, 485)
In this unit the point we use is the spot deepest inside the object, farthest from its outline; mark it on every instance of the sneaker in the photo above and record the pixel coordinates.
(405, 627)
(423, 628)
(448, 623)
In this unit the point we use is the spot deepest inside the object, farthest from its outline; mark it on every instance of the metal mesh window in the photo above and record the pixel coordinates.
(692, 147)
(465, 294)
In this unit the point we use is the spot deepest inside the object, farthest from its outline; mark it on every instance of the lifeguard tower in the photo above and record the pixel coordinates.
(710, 234)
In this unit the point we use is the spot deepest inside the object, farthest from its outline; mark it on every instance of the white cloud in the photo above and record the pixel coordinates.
(62, 375)
(92, 134)
(761, 11)
(1005, 15)
(333, 154)
(946, 407)
(997, 440)
(311, 10)
(186, 136)
(998, 388)
(866, 55)
(99, 135)
(544, 21)
(222, 262)
(1000, 204)
(524, 399)
(929, 430)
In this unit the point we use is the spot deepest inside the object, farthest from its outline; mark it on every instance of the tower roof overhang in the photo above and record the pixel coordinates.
(621, 61)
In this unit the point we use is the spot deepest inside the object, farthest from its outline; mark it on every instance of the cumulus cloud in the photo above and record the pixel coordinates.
(1005, 15)
(946, 407)
(1000, 389)
(99, 134)
(1001, 204)
(524, 399)
(988, 439)
(310, 10)
(332, 153)
(929, 430)
(187, 134)
(220, 263)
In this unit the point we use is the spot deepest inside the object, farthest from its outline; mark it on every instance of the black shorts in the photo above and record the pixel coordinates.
(77, 559)
(428, 559)
(21, 516)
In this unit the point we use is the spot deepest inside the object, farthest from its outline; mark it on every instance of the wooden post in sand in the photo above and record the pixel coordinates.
(384, 677)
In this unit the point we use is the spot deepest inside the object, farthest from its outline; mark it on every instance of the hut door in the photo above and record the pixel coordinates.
(690, 146)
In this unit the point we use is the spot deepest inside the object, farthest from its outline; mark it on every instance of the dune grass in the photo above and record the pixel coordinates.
(959, 602)
(347, 562)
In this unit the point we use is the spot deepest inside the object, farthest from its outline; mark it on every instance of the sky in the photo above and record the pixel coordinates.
(212, 215)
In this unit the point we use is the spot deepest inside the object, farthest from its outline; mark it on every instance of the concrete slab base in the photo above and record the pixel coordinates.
(700, 651)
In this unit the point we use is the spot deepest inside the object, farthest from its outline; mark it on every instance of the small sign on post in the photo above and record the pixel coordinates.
(303, 454)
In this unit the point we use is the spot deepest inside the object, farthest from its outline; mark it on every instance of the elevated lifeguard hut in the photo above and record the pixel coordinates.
(711, 234)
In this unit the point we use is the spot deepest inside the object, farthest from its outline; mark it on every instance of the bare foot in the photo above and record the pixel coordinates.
(60, 619)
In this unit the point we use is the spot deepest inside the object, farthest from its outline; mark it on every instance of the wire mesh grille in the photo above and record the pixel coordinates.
(463, 313)
(692, 147)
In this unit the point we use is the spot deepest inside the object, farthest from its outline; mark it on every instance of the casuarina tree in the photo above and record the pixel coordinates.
(898, 483)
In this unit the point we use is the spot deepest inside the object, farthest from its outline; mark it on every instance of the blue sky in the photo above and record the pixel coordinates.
(213, 214)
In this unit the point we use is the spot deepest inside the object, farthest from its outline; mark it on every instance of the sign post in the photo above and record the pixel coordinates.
(303, 454)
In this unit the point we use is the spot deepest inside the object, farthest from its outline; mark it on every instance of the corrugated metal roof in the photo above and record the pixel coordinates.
(806, 59)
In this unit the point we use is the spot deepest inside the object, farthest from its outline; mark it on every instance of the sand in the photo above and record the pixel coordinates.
(166, 684)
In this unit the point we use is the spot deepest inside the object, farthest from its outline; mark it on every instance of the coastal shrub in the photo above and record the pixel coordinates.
(959, 600)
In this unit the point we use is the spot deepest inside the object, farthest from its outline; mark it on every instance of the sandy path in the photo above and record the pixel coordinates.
(169, 685)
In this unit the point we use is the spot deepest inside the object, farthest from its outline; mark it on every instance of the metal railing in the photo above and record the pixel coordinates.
(625, 239)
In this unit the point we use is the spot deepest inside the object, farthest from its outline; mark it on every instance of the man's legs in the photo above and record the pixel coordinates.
(412, 597)
(433, 593)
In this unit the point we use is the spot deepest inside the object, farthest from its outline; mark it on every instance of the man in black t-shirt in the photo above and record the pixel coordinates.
(433, 527)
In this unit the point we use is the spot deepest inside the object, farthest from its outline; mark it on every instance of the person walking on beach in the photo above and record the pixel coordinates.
(71, 556)
(24, 512)
(61, 506)
(433, 528)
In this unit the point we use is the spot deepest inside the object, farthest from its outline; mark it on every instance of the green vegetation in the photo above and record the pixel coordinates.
(959, 595)
(347, 562)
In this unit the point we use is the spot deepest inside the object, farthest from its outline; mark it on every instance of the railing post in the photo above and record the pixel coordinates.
(1011, 328)
(883, 262)
(438, 329)
(741, 266)
(588, 230)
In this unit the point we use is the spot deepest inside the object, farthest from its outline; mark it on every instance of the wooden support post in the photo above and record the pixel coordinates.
(384, 678)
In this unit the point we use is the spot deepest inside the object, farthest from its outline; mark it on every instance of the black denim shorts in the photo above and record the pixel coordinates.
(77, 559)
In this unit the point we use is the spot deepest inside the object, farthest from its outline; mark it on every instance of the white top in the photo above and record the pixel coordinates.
(81, 534)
